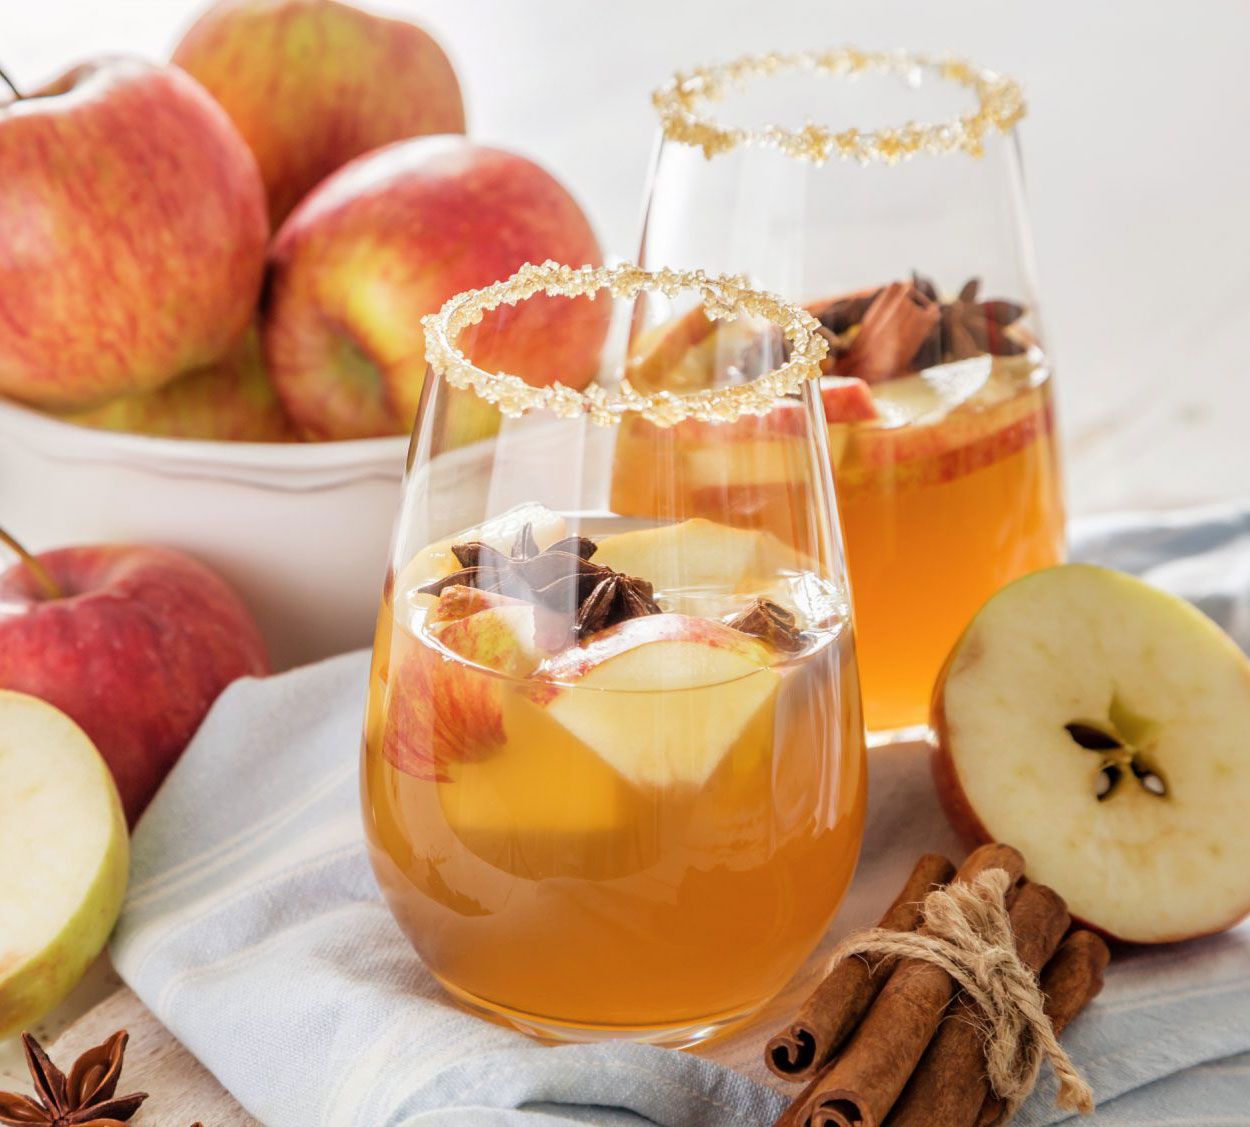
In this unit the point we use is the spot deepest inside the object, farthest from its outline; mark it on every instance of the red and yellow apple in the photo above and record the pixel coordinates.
(231, 400)
(66, 855)
(133, 643)
(389, 238)
(1099, 725)
(313, 83)
(132, 234)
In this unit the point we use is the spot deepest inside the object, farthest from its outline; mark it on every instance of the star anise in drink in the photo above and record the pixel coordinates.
(966, 327)
(905, 327)
(561, 577)
(771, 623)
(84, 1098)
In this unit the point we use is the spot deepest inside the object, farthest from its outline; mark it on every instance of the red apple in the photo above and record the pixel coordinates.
(391, 237)
(313, 83)
(133, 643)
(231, 401)
(132, 234)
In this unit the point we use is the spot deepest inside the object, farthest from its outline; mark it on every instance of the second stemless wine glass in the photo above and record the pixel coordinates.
(810, 174)
(613, 770)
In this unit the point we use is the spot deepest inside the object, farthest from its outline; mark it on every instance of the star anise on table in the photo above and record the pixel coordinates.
(771, 623)
(966, 327)
(560, 578)
(84, 1098)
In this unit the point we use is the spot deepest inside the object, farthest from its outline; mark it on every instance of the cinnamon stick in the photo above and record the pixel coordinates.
(860, 1086)
(838, 1004)
(1071, 980)
(899, 320)
(950, 1084)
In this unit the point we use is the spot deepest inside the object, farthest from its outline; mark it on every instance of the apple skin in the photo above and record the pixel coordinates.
(132, 234)
(442, 710)
(313, 83)
(229, 401)
(574, 663)
(135, 653)
(389, 238)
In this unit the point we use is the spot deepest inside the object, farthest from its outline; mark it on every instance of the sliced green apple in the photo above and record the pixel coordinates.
(662, 699)
(63, 858)
(1100, 726)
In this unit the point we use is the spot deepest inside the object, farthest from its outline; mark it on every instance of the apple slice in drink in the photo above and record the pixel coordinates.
(447, 707)
(63, 857)
(548, 807)
(698, 553)
(1100, 726)
(663, 698)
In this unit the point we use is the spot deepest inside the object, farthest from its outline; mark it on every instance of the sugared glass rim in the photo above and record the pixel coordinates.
(683, 106)
(721, 296)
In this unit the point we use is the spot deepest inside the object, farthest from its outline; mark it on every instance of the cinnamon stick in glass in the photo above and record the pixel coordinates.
(860, 1086)
(1071, 980)
(950, 1084)
(836, 1006)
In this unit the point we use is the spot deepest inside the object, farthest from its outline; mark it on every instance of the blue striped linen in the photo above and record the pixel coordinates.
(255, 932)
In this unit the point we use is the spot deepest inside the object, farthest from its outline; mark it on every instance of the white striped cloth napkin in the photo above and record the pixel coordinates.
(253, 929)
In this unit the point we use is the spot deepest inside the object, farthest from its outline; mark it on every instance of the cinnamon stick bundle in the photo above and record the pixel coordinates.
(861, 1085)
(914, 1058)
(839, 1003)
(1071, 980)
(950, 1083)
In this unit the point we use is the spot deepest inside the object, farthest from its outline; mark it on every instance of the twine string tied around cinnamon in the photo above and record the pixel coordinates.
(968, 934)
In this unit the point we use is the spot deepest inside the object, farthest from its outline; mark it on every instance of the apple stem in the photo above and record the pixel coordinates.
(17, 94)
(42, 576)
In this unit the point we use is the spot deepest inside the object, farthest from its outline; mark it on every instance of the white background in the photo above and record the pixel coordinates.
(1135, 148)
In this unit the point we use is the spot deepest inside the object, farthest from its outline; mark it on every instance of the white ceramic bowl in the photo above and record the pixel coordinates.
(301, 530)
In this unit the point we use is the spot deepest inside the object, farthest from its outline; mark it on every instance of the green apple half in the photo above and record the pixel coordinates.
(64, 856)
(1102, 727)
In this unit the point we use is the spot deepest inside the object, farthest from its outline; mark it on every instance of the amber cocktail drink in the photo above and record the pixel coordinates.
(616, 835)
(946, 469)
(883, 190)
(613, 772)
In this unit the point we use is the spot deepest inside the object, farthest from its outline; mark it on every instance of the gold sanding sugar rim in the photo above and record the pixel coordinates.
(722, 297)
(682, 106)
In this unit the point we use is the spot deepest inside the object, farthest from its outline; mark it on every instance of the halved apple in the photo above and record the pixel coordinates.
(1100, 726)
(662, 699)
(64, 856)
(698, 553)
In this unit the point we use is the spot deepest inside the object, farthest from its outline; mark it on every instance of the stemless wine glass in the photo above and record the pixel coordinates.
(613, 773)
(810, 174)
